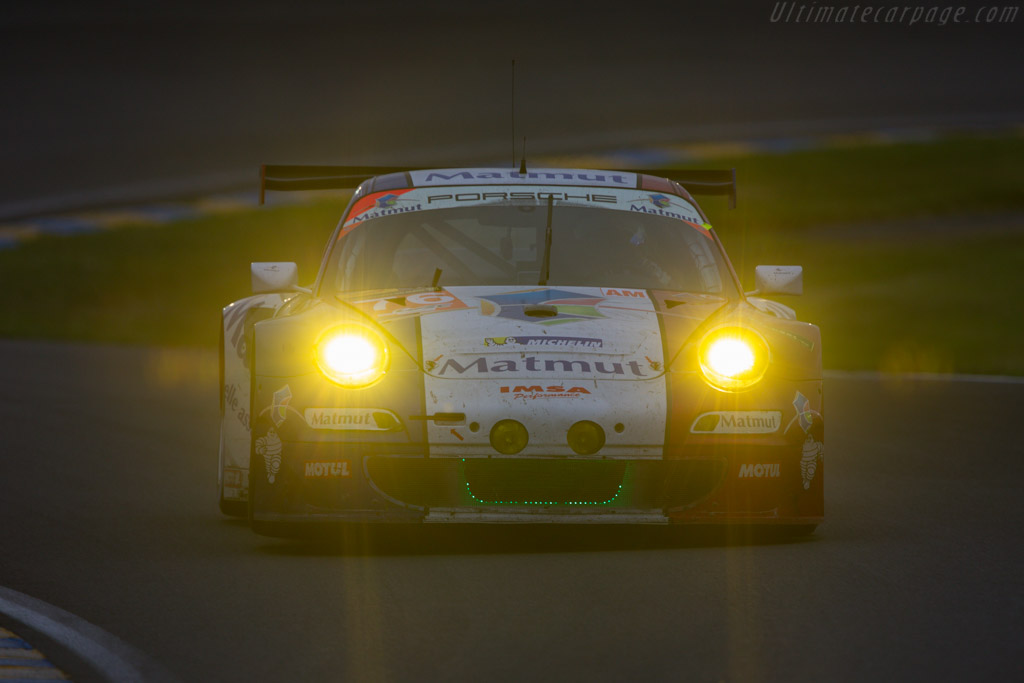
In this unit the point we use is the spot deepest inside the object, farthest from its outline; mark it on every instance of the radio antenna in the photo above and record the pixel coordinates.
(513, 113)
(522, 161)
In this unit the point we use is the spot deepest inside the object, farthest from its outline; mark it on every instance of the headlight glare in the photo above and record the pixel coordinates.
(352, 356)
(733, 358)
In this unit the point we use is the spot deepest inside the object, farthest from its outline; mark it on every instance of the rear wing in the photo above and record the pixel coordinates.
(289, 178)
(285, 178)
(697, 182)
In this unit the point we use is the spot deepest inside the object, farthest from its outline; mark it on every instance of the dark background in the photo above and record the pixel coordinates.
(160, 97)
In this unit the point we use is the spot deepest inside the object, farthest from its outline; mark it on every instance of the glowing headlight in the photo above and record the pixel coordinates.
(733, 358)
(353, 356)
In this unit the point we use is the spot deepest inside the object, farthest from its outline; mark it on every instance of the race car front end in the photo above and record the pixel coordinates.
(557, 345)
(443, 410)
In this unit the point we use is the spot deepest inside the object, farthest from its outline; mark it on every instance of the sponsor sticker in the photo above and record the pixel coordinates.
(232, 478)
(327, 469)
(546, 341)
(547, 176)
(414, 304)
(565, 306)
(269, 447)
(533, 391)
(628, 293)
(499, 186)
(670, 207)
(484, 365)
(813, 451)
(759, 471)
(738, 422)
(235, 404)
(811, 454)
(447, 200)
(351, 419)
(377, 205)
(279, 408)
(803, 411)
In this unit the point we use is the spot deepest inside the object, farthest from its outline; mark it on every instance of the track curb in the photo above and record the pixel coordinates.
(106, 655)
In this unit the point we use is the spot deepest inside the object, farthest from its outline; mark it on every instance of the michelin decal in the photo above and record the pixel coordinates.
(813, 451)
(269, 447)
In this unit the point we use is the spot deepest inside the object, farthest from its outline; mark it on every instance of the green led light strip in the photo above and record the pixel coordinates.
(540, 502)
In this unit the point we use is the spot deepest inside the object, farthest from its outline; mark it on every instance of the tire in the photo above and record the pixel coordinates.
(234, 508)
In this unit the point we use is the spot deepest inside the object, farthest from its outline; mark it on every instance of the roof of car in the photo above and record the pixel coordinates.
(573, 177)
(381, 178)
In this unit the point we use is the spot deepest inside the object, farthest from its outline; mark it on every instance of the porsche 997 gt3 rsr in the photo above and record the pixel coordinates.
(492, 345)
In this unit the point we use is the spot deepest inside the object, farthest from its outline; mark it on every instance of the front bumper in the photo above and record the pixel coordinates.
(317, 483)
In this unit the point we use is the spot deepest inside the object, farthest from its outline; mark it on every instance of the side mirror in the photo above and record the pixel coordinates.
(778, 280)
(274, 277)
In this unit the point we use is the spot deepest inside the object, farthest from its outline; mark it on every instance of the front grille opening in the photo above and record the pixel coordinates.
(543, 482)
(419, 482)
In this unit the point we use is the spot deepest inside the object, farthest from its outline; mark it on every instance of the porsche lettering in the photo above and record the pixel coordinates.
(512, 196)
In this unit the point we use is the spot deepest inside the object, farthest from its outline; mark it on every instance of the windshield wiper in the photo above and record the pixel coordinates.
(545, 268)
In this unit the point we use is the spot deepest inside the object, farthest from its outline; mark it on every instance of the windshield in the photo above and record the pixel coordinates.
(499, 236)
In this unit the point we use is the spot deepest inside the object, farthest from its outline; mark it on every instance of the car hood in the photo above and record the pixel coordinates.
(554, 332)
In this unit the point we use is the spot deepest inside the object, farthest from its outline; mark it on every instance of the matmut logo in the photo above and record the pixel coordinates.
(760, 471)
(549, 176)
(538, 391)
(738, 422)
(351, 419)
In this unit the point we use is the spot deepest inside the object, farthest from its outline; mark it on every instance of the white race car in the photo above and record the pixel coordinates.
(501, 345)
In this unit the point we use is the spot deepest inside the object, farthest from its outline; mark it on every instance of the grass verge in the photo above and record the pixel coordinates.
(898, 274)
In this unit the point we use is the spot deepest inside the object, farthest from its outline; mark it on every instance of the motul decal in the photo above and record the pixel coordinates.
(327, 469)
(760, 471)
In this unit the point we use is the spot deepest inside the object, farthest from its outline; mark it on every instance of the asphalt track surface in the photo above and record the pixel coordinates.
(107, 510)
(119, 99)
